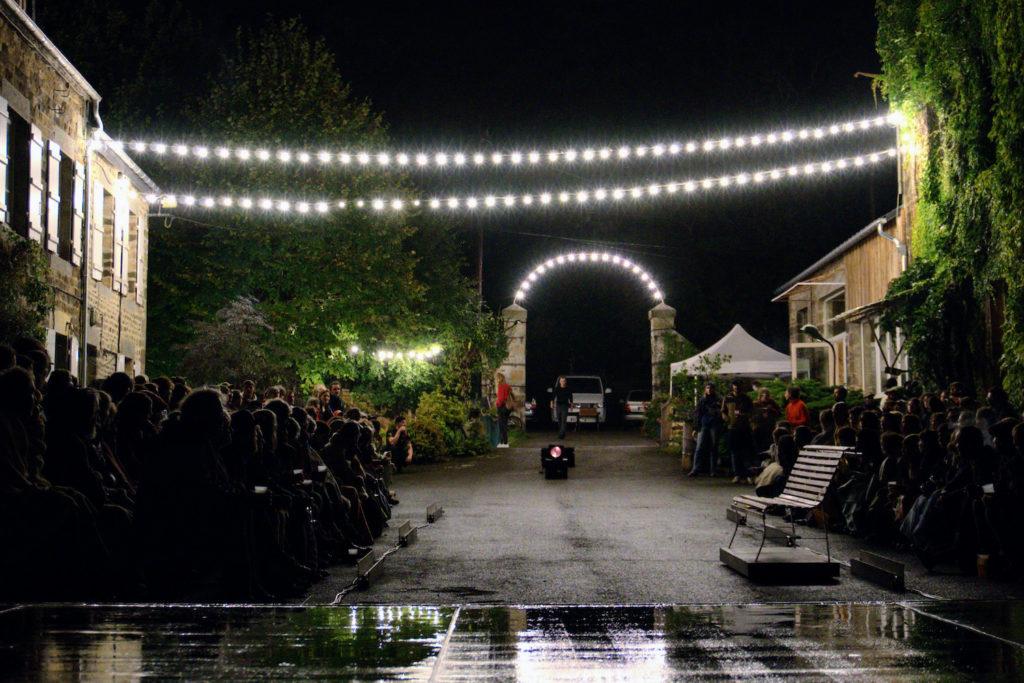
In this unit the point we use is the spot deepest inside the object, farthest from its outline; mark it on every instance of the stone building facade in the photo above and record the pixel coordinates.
(80, 198)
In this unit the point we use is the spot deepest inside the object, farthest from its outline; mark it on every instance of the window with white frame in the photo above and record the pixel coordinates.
(834, 306)
(19, 138)
(108, 239)
(801, 318)
(66, 216)
(132, 263)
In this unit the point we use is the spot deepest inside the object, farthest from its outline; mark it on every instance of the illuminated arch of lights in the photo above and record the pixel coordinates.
(588, 258)
(512, 159)
(507, 200)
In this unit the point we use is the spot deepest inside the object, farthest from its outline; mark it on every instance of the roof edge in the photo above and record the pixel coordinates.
(117, 156)
(19, 17)
(847, 244)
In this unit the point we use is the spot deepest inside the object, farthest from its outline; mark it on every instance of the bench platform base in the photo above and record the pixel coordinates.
(780, 565)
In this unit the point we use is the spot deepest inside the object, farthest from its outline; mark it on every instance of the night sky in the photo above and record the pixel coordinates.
(524, 75)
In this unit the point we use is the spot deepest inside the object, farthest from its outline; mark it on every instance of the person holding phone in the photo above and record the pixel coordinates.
(399, 444)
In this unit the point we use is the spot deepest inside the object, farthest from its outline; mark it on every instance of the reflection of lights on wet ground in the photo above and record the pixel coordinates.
(950, 640)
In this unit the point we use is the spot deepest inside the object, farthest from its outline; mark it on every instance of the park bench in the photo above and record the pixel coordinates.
(805, 489)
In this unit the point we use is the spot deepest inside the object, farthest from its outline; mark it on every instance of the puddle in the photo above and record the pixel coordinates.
(868, 641)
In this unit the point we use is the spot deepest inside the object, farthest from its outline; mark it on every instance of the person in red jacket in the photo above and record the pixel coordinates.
(796, 410)
(504, 402)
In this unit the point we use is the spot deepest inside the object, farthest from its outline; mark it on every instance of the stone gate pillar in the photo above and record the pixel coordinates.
(663, 326)
(514, 365)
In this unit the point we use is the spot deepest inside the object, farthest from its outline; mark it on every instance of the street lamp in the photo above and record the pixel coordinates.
(813, 332)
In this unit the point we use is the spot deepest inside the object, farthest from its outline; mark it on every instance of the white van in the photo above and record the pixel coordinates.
(587, 404)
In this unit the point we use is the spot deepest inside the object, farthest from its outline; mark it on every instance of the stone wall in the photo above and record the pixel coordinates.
(514, 365)
(40, 93)
(36, 86)
(663, 327)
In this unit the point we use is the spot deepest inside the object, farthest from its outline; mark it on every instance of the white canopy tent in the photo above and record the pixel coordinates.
(747, 358)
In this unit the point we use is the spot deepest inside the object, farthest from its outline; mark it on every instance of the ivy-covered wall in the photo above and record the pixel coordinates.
(955, 69)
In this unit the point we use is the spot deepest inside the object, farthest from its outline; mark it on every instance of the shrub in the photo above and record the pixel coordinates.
(28, 296)
(681, 411)
(438, 428)
(427, 439)
(815, 394)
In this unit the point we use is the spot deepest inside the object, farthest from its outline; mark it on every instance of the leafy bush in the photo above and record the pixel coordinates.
(438, 428)
(953, 69)
(231, 347)
(652, 418)
(681, 411)
(815, 394)
(427, 439)
(28, 295)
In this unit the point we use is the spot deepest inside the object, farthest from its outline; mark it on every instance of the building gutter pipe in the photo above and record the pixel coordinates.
(901, 248)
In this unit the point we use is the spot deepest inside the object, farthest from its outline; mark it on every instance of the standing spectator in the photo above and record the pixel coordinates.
(736, 409)
(250, 401)
(1000, 403)
(504, 401)
(334, 403)
(765, 413)
(323, 405)
(707, 419)
(560, 401)
(796, 410)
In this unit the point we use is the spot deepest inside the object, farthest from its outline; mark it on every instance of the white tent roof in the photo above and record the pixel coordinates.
(748, 357)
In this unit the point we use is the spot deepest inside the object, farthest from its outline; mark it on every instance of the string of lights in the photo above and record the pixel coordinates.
(387, 353)
(514, 200)
(437, 160)
(420, 354)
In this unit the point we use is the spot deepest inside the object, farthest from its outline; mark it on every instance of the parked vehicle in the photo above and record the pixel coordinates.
(635, 405)
(587, 406)
(530, 410)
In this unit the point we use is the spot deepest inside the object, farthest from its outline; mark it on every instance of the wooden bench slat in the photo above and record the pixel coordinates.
(811, 476)
(810, 481)
(810, 471)
(798, 502)
(761, 503)
(823, 462)
(823, 467)
(797, 488)
(796, 492)
(815, 467)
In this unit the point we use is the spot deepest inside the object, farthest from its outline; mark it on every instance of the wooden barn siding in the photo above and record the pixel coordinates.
(870, 267)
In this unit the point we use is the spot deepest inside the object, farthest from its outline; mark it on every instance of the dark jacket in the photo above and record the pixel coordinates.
(708, 412)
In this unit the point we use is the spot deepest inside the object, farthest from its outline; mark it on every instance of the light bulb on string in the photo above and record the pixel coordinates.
(584, 196)
(439, 160)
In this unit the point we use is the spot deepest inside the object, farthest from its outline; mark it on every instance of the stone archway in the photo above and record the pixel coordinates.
(662, 316)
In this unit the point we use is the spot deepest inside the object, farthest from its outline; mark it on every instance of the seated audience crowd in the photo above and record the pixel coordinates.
(934, 472)
(141, 489)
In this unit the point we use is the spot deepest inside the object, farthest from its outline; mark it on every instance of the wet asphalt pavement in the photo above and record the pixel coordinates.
(612, 574)
(627, 527)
